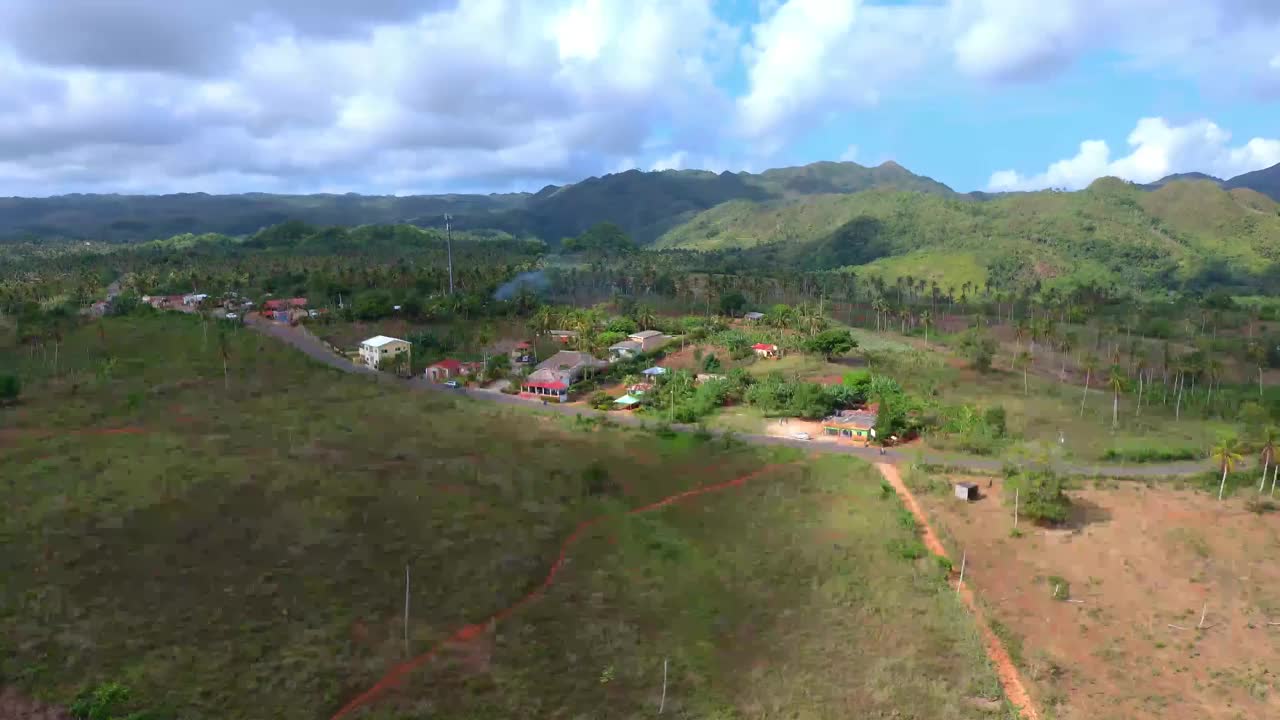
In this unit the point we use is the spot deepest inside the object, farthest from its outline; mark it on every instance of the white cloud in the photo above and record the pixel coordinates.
(850, 154)
(484, 95)
(1222, 42)
(677, 160)
(811, 58)
(1156, 149)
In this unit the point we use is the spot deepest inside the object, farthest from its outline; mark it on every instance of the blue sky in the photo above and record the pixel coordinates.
(410, 96)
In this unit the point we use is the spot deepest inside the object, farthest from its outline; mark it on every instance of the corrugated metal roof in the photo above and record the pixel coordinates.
(380, 340)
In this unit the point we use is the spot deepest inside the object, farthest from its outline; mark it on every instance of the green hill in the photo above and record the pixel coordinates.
(1265, 181)
(645, 204)
(1112, 232)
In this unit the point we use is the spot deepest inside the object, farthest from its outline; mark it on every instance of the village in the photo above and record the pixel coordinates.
(654, 371)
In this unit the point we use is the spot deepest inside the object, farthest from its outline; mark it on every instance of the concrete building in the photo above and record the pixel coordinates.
(648, 339)
(378, 350)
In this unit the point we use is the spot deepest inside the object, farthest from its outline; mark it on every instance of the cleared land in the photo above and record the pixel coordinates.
(236, 547)
(1088, 611)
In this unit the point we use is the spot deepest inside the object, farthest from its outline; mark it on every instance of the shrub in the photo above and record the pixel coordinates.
(601, 401)
(1040, 496)
(1151, 453)
(911, 549)
(10, 388)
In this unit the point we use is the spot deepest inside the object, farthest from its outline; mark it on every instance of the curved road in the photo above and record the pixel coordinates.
(302, 339)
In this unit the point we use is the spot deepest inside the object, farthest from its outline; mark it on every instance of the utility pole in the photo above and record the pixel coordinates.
(448, 241)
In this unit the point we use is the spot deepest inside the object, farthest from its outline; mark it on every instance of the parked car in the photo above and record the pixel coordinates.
(801, 436)
(452, 383)
(231, 316)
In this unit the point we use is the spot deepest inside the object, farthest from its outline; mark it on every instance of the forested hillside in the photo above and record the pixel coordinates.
(645, 204)
(1184, 233)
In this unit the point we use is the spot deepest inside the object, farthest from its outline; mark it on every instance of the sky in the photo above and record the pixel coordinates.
(428, 96)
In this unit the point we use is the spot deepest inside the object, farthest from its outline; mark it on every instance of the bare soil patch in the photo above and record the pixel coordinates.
(1104, 617)
(14, 706)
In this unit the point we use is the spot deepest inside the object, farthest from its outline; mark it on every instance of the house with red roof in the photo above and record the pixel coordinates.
(765, 350)
(556, 374)
(446, 369)
(285, 304)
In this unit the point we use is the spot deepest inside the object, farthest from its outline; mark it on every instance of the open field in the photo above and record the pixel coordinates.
(1089, 609)
(236, 546)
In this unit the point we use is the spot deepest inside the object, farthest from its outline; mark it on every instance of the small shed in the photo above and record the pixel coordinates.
(627, 402)
(654, 371)
(967, 491)
(754, 316)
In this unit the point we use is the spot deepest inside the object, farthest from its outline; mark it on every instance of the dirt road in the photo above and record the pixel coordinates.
(300, 338)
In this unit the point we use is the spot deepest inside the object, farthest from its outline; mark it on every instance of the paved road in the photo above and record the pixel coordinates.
(300, 338)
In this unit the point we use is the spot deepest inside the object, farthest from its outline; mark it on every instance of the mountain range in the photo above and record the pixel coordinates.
(1187, 229)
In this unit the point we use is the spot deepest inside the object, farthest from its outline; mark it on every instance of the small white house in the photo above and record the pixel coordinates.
(648, 339)
(623, 350)
(380, 349)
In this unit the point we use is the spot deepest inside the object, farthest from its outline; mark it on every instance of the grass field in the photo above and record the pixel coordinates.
(236, 547)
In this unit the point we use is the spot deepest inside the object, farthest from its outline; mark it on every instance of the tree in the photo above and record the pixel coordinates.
(1089, 364)
(1115, 381)
(1040, 496)
(711, 364)
(1268, 452)
(1258, 354)
(926, 319)
(645, 317)
(1227, 454)
(830, 343)
(1023, 361)
(979, 348)
(732, 303)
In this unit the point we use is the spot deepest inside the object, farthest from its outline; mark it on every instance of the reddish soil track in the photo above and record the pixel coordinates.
(397, 674)
(1010, 679)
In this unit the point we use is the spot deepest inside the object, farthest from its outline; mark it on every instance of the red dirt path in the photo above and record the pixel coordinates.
(397, 674)
(1010, 679)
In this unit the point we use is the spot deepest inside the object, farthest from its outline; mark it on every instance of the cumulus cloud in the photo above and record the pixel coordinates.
(380, 96)
(1220, 41)
(850, 154)
(1157, 149)
(809, 58)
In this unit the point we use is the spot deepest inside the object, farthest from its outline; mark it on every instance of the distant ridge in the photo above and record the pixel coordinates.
(647, 205)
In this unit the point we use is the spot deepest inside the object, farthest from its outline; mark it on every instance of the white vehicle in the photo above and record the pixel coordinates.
(801, 436)
(451, 383)
(231, 316)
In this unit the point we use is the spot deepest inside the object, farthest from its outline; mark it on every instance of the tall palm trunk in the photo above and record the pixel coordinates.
(1266, 462)
(1138, 409)
(1085, 395)
(1177, 408)
(1223, 485)
(1115, 409)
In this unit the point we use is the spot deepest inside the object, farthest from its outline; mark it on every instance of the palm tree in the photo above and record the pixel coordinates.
(1227, 453)
(1268, 453)
(645, 317)
(1258, 354)
(1116, 381)
(1023, 360)
(1089, 363)
(926, 318)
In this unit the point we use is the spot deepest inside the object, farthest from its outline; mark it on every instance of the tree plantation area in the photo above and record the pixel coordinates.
(620, 464)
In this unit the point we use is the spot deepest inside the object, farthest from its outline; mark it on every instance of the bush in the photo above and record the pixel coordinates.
(911, 549)
(601, 401)
(1151, 453)
(1040, 496)
(10, 388)
(995, 419)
